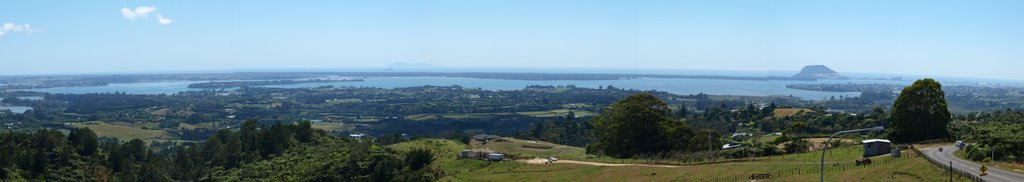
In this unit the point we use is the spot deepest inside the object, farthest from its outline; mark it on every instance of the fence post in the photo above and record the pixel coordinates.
(950, 171)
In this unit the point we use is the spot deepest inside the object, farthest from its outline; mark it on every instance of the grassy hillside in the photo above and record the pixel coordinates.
(783, 112)
(906, 169)
(528, 148)
(840, 164)
(444, 150)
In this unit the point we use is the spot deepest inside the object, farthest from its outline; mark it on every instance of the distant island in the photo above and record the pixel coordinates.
(818, 72)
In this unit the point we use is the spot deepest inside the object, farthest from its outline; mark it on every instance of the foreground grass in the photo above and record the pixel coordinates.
(907, 169)
(840, 164)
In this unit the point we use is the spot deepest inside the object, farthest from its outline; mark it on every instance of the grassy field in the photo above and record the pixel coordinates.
(840, 166)
(548, 113)
(558, 113)
(122, 132)
(187, 126)
(803, 168)
(768, 139)
(329, 126)
(783, 112)
(528, 148)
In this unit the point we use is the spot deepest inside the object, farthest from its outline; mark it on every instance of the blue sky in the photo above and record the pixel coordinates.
(934, 37)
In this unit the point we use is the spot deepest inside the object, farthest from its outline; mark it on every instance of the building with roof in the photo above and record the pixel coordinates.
(876, 147)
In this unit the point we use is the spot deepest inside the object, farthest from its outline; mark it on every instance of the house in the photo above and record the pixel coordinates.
(731, 146)
(357, 135)
(875, 147)
(740, 135)
(482, 154)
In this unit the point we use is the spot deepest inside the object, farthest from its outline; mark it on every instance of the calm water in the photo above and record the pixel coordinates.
(30, 98)
(132, 88)
(677, 86)
(16, 109)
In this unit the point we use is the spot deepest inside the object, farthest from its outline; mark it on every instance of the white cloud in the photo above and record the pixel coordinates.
(11, 27)
(162, 20)
(139, 12)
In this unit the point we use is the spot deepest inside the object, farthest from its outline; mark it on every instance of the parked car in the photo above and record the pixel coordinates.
(960, 144)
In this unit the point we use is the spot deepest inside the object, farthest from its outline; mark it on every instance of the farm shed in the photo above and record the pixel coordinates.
(875, 147)
(496, 157)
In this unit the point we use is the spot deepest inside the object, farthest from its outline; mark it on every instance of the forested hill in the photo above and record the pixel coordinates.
(254, 153)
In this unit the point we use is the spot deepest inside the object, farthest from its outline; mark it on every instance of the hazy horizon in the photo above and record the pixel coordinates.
(930, 38)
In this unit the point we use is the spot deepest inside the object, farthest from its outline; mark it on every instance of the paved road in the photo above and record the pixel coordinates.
(993, 174)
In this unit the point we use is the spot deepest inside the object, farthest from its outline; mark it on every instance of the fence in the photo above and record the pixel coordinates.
(829, 167)
(961, 173)
(709, 158)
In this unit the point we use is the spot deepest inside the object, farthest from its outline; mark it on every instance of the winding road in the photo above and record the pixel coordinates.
(993, 174)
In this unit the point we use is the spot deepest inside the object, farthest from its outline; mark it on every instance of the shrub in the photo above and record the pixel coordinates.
(797, 146)
(769, 150)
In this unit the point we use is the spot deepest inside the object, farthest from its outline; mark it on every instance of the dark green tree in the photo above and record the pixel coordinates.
(304, 132)
(84, 141)
(797, 128)
(250, 139)
(920, 113)
(682, 110)
(417, 159)
(635, 125)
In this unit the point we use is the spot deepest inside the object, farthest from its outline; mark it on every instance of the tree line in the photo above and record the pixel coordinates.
(48, 155)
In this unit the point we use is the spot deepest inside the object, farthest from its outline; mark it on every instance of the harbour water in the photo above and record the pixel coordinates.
(676, 86)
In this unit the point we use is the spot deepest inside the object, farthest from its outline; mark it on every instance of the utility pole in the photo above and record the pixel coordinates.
(709, 142)
(709, 146)
(950, 171)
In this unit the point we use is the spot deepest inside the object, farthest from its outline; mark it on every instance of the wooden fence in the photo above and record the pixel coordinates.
(829, 167)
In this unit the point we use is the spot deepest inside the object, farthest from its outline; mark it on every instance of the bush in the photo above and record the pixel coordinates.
(419, 158)
(797, 146)
(769, 150)
(977, 152)
(781, 139)
(742, 152)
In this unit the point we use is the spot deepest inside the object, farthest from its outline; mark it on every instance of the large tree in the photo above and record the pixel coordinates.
(84, 141)
(638, 124)
(920, 113)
